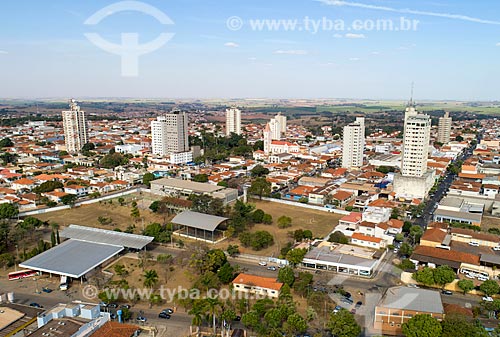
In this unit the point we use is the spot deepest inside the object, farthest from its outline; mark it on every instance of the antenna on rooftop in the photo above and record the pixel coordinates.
(411, 103)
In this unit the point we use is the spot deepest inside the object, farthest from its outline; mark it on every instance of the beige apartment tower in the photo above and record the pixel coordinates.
(170, 134)
(233, 121)
(353, 144)
(444, 128)
(75, 128)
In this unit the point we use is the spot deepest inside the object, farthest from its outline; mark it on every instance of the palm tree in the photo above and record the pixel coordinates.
(150, 278)
(198, 311)
(213, 303)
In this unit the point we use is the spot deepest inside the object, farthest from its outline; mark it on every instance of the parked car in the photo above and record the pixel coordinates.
(337, 309)
(273, 268)
(358, 304)
(487, 299)
(474, 243)
(35, 305)
(347, 300)
(46, 290)
(168, 311)
(141, 319)
(164, 315)
(496, 248)
(125, 306)
(446, 292)
(262, 263)
(112, 305)
(237, 318)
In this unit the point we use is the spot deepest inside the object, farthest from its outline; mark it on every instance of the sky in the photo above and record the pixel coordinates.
(226, 49)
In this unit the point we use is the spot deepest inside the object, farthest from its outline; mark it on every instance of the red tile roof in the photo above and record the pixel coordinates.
(259, 281)
(362, 237)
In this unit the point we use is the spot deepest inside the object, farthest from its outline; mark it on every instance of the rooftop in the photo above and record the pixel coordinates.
(258, 281)
(198, 220)
(415, 299)
(115, 329)
(73, 258)
(98, 235)
(187, 185)
(340, 255)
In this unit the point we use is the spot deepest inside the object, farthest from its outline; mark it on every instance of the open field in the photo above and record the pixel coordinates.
(87, 215)
(490, 222)
(320, 223)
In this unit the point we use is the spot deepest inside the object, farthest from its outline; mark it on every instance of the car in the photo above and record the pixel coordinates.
(347, 300)
(483, 278)
(411, 285)
(496, 248)
(46, 290)
(337, 309)
(358, 304)
(35, 305)
(237, 318)
(262, 263)
(141, 319)
(487, 299)
(446, 292)
(168, 311)
(469, 276)
(164, 315)
(273, 268)
(474, 243)
(112, 315)
(112, 305)
(125, 306)
(347, 294)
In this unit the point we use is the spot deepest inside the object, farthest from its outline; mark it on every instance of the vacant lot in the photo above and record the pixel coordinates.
(88, 215)
(319, 222)
(490, 222)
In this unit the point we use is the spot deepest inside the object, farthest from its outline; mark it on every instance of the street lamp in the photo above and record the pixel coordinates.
(17, 257)
(36, 285)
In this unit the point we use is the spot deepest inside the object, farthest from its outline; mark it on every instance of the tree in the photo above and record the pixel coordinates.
(164, 258)
(284, 221)
(223, 183)
(405, 249)
(121, 201)
(8, 211)
(48, 186)
(259, 171)
(422, 326)
(296, 323)
(258, 215)
(201, 178)
(465, 285)
(233, 250)
(443, 275)
(147, 178)
(120, 270)
(226, 273)
(267, 219)
(251, 319)
(112, 160)
(53, 239)
(343, 324)
(416, 232)
(295, 256)
(338, 237)
(489, 287)
(69, 199)
(150, 278)
(88, 147)
(457, 325)
(260, 187)
(395, 214)
(6, 142)
(286, 275)
(257, 241)
(406, 264)
(134, 213)
(302, 283)
(424, 276)
(6, 260)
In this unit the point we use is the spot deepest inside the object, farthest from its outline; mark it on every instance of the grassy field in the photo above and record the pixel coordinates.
(87, 216)
(319, 222)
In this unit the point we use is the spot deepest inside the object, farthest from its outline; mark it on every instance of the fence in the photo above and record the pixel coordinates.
(299, 204)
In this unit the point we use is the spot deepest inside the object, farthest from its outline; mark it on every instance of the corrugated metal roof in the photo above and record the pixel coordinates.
(73, 258)
(198, 220)
(405, 298)
(98, 235)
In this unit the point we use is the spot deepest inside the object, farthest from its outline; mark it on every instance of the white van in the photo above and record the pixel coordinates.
(474, 243)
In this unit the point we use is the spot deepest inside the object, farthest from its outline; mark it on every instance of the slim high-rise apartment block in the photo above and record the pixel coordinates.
(170, 134)
(75, 128)
(353, 144)
(233, 121)
(444, 128)
(417, 130)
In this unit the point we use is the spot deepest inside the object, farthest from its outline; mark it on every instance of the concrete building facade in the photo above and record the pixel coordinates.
(75, 128)
(233, 121)
(353, 144)
(170, 134)
(444, 128)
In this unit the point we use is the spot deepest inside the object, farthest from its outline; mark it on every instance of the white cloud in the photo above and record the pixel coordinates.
(291, 52)
(354, 36)
(409, 11)
(354, 59)
(231, 44)
(375, 53)
(252, 58)
(328, 64)
(3, 52)
(498, 44)
(407, 47)
(337, 36)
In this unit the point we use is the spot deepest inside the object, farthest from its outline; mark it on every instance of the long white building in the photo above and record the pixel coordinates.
(75, 127)
(353, 144)
(170, 134)
(444, 128)
(233, 121)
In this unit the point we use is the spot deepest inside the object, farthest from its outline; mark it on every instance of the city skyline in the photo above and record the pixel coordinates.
(203, 57)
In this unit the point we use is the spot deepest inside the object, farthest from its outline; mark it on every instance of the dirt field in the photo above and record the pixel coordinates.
(87, 215)
(490, 222)
(320, 223)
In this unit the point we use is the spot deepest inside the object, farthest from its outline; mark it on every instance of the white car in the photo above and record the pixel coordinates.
(497, 248)
(483, 278)
(474, 243)
(262, 263)
(487, 299)
(470, 276)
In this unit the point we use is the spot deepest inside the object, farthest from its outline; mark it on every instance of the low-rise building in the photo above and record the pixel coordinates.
(258, 285)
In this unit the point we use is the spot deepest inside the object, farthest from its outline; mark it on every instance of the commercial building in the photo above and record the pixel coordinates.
(258, 285)
(184, 188)
(347, 259)
(275, 128)
(170, 134)
(455, 209)
(414, 181)
(282, 120)
(353, 144)
(233, 121)
(444, 128)
(200, 226)
(400, 304)
(75, 128)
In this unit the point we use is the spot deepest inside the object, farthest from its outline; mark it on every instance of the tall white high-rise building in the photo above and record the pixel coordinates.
(353, 144)
(267, 139)
(416, 137)
(282, 120)
(233, 121)
(75, 127)
(444, 128)
(170, 134)
(275, 127)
